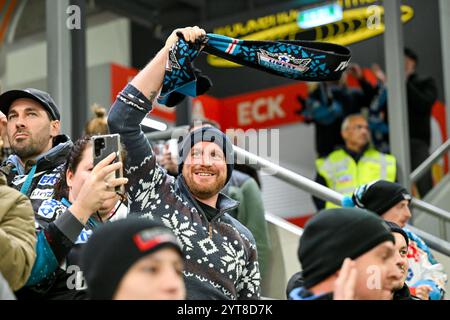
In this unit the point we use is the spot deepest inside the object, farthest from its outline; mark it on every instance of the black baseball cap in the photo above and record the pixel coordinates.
(42, 97)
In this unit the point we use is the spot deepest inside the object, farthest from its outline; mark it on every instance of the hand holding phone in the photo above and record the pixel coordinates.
(98, 195)
(104, 145)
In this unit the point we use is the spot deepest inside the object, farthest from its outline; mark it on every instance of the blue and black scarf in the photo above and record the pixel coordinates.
(298, 60)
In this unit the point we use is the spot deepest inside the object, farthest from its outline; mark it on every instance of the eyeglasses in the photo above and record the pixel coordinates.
(359, 127)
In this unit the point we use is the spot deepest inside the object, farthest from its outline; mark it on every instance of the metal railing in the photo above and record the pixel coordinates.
(441, 214)
(426, 165)
(319, 190)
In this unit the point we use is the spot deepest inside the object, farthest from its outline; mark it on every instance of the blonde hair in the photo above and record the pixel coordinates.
(97, 125)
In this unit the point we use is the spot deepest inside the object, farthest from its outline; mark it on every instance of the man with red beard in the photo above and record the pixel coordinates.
(221, 256)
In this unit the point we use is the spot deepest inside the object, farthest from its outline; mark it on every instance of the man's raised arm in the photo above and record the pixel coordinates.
(135, 101)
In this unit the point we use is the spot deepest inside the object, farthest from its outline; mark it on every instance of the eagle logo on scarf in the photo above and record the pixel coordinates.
(283, 62)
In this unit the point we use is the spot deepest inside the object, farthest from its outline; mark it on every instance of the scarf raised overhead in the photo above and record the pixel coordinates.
(294, 59)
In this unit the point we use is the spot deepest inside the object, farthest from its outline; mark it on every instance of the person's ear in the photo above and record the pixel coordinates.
(69, 178)
(55, 127)
(344, 134)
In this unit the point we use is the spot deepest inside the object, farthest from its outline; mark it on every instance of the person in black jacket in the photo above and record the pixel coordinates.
(421, 95)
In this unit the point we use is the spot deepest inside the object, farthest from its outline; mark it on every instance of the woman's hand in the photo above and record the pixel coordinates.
(97, 190)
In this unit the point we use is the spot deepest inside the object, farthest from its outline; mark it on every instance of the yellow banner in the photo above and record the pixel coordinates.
(356, 25)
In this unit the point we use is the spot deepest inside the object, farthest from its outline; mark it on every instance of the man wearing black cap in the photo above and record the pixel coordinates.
(39, 154)
(33, 128)
(346, 254)
(221, 255)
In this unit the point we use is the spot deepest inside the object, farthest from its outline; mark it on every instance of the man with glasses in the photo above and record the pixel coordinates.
(356, 163)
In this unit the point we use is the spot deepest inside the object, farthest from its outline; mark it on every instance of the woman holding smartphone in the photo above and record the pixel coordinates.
(84, 198)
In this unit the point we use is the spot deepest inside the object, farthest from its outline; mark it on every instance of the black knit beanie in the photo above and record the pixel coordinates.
(380, 196)
(207, 134)
(396, 228)
(115, 247)
(335, 234)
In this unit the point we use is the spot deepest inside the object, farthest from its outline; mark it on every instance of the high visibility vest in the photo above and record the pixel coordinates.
(344, 175)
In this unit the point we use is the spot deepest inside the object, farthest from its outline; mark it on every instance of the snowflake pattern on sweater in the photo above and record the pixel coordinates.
(221, 256)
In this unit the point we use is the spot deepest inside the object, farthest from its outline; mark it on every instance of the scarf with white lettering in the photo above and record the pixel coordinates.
(298, 60)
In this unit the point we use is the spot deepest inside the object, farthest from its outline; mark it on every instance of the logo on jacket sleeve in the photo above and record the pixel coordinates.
(51, 209)
(84, 236)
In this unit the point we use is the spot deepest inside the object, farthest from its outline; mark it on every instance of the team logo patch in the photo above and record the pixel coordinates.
(345, 178)
(51, 209)
(283, 62)
(172, 62)
(48, 180)
(84, 236)
(40, 194)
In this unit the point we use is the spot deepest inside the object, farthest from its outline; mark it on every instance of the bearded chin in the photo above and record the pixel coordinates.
(25, 152)
(205, 193)
(29, 150)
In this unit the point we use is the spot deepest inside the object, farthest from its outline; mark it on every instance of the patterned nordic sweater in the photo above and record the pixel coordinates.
(220, 256)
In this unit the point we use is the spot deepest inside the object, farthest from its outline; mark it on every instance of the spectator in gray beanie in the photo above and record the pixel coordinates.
(207, 134)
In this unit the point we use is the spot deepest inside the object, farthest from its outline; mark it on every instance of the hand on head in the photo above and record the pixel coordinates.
(344, 286)
(379, 73)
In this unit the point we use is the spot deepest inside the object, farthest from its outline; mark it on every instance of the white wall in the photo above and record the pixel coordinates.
(107, 42)
(297, 153)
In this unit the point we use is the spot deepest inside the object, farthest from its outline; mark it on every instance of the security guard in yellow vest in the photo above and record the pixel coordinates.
(355, 164)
